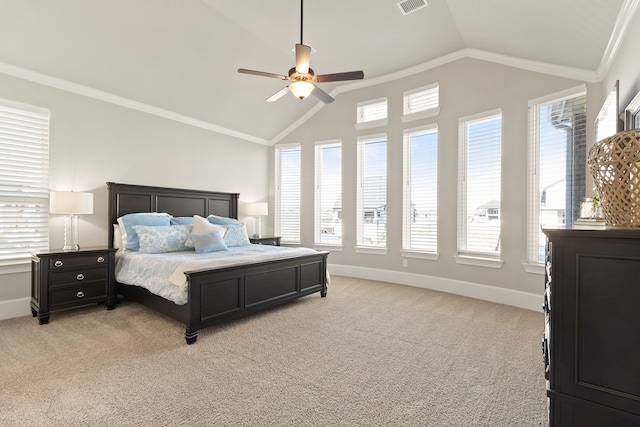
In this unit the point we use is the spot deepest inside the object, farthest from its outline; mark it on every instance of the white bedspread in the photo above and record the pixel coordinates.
(163, 274)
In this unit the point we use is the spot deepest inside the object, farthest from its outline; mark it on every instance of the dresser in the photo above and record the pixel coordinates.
(62, 280)
(591, 344)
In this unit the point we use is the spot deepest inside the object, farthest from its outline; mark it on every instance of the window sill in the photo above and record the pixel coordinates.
(533, 267)
(372, 124)
(326, 247)
(371, 250)
(478, 261)
(432, 256)
(420, 115)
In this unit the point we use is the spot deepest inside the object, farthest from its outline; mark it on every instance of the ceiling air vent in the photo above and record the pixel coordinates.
(409, 6)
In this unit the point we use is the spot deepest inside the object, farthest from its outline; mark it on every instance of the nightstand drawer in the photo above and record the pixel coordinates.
(78, 276)
(77, 261)
(78, 294)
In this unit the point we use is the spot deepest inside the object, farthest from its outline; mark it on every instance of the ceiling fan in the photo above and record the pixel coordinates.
(302, 77)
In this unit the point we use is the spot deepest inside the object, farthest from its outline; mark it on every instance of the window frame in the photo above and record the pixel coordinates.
(466, 256)
(28, 127)
(361, 108)
(278, 193)
(407, 250)
(319, 146)
(361, 247)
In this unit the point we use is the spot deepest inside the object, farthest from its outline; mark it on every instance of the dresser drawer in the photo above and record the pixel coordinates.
(79, 275)
(57, 263)
(77, 295)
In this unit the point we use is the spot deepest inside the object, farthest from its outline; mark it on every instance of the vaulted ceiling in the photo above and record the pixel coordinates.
(179, 58)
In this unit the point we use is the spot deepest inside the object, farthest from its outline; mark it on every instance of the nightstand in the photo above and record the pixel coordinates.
(61, 280)
(273, 241)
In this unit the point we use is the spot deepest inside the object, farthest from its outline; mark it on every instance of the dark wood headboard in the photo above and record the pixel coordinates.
(125, 199)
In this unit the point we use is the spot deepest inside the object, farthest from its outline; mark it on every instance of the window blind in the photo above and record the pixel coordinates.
(480, 185)
(328, 207)
(372, 110)
(372, 192)
(421, 99)
(420, 172)
(288, 193)
(557, 158)
(24, 182)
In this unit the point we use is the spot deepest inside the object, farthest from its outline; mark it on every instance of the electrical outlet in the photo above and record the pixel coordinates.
(405, 262)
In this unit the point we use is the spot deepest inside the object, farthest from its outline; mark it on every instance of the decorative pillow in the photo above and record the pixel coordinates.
(208, 242)
(181, 220)
(117, 237)
(222, 220)
(202, 226)
(236, 236)
(129, 235)
(163, 238)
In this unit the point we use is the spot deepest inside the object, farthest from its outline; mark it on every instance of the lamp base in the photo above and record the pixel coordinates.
(71, 234)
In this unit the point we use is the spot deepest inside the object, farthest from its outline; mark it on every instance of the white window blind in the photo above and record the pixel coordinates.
(422, 99)
(372, 192)
(24, 182)
(328, 207)
(370, 111)
(479, 206)
(557, 155)
(287, 219)
(420, 171)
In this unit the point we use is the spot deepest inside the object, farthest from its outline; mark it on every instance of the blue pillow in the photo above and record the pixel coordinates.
(162, 238)
(127, 222)
(209, 242)
(181, 220)
(236, 235)
(221, 220)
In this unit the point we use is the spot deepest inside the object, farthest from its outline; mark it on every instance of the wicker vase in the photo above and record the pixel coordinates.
(614, 163)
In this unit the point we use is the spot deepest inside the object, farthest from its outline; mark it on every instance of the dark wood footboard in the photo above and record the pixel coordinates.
(230, 292)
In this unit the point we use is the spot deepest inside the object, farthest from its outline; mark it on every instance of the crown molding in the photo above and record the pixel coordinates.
(627, 11)
(79, 89)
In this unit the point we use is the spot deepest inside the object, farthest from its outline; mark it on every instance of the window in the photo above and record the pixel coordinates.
(24, 182)
(423, 100)
(372, 114)
(372, 192)
(287, 219)
(607, 121)
(420, 170)
(328, 215)
(557, 143)
(479, 215)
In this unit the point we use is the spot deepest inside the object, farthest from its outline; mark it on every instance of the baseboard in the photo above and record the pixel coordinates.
(496, 294)
(15, 308)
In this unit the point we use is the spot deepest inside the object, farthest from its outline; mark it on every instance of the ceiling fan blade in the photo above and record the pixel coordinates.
(303, 58)
(262, 73)
(322, 95)
(279, 94)
(337, 77)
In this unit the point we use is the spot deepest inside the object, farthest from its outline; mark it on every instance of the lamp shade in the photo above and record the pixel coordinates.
(301, 89)
(257, 209)
(70, 203)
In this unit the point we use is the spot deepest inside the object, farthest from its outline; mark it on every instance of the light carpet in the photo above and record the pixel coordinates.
(370, 354)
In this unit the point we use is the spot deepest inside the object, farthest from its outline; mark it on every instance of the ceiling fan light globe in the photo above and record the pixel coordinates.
(301, 89)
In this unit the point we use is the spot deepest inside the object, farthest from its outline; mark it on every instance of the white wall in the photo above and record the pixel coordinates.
(93, 142)
(467, 87)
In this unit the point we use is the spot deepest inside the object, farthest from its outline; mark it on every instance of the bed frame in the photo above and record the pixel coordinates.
(223, 293)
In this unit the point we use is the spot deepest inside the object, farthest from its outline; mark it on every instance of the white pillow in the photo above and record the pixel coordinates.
(117, 237)
(203, 226)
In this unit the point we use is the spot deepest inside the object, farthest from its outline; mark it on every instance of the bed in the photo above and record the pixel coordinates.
(224, 293)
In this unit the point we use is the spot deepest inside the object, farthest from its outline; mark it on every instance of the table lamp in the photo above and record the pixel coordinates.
(71, 204)
(258, 210)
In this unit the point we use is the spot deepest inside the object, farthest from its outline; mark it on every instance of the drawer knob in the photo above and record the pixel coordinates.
(80, 294)
(100, 259)
(58, 263)
(80, 276)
